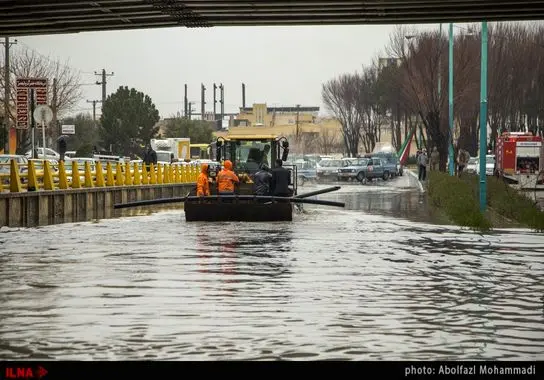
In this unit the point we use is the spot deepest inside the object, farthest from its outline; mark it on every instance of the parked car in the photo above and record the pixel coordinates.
(472, 165)
(70, 153)
(306, 170)
(39, 165)
(80, 167)
(374, 169)
(5, 163)
(49, 153)
(489, 165)
(392, 162)
(355, 170)
(328, 168)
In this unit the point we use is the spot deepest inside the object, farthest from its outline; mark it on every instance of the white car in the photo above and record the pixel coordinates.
(328, 168)
(489, 165)
(49, 153)
(472, 165)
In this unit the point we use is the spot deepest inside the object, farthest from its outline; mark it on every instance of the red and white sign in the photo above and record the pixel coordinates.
(31, 82)
(24, 86)
(22, 109)
(41, 96)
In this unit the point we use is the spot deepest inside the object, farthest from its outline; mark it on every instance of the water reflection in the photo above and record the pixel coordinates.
(257, 259)
(400, 203)
(332, 284)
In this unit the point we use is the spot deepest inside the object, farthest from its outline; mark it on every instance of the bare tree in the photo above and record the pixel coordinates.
(340, 96)
(466, 66)
(372, 107)
(28, 63)
(419, 87)
(390, 100)
(328, 142)
(305, 144)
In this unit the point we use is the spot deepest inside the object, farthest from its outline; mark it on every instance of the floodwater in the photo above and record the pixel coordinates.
(375, 280)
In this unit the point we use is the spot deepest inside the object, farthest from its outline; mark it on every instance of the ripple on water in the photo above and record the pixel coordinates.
(332, 285)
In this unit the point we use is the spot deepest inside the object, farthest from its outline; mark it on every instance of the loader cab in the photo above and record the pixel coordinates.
(247, 153)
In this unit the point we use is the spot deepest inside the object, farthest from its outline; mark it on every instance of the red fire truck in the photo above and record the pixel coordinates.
(520, 159)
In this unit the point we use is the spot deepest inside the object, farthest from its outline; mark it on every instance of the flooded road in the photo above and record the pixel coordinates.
(375, 280)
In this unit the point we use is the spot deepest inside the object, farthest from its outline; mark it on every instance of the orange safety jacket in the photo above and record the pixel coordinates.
(226, 180)
(202, 185)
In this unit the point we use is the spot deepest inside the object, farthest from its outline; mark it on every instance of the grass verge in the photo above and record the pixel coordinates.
(456, 198)
(459, 197)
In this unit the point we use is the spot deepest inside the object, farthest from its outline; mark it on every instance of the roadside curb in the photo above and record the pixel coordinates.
(420, 185)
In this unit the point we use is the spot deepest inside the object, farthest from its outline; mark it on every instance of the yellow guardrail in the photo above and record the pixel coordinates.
(49, 178)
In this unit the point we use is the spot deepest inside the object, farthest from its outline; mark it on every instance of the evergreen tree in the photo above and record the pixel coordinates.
(200, 132)
(129, 120)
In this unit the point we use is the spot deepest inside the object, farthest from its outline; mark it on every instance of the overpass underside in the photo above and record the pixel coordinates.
(30, 17)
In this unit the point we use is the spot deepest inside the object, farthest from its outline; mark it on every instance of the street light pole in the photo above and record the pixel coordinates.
(450, 99)
(440, 65)
(483, 118)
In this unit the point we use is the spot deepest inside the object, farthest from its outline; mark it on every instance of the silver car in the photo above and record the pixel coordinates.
(5, 162)
(328, 168)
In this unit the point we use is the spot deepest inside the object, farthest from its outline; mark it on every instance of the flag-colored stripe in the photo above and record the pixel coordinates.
(404, 151)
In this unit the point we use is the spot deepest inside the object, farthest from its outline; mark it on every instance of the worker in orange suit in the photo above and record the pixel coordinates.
(203, 183)
(226, 179)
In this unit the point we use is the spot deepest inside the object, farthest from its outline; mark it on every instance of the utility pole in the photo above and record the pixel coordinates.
(185, 104)
(94, 107)
(297, 133)
(222, 100)
(7, 45)
(190, 110)
(243, 95)
(451, 153)
(103, 83)
(483, 117)
(54, 109)
(33, 125)
(202, 101)
(214, 102)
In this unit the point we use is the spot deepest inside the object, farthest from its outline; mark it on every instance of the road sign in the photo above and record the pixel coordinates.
(22, 108)
(43, 114)
(31, 82)
(68, 129)
(41, 96)
(24, 86)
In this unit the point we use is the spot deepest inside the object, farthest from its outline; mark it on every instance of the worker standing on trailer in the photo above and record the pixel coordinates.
(203, 182)
(226, 179)
(261, 181)
(281, 179)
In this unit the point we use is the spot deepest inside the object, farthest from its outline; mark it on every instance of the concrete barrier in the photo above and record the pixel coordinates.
(39, 208)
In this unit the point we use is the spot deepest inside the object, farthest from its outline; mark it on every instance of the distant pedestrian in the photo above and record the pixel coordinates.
(62, 147)
(462, 160)
(150, 157)
(422, 165)
(435, 159)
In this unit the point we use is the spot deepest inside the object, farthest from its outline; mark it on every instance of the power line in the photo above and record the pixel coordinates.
(64, 65)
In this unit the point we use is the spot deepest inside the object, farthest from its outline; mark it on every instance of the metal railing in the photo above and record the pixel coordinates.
(47, 177)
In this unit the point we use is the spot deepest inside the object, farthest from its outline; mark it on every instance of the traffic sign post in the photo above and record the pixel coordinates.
(43, 115)
(32, 125)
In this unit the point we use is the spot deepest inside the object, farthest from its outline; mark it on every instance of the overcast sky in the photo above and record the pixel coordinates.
(282, 66)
